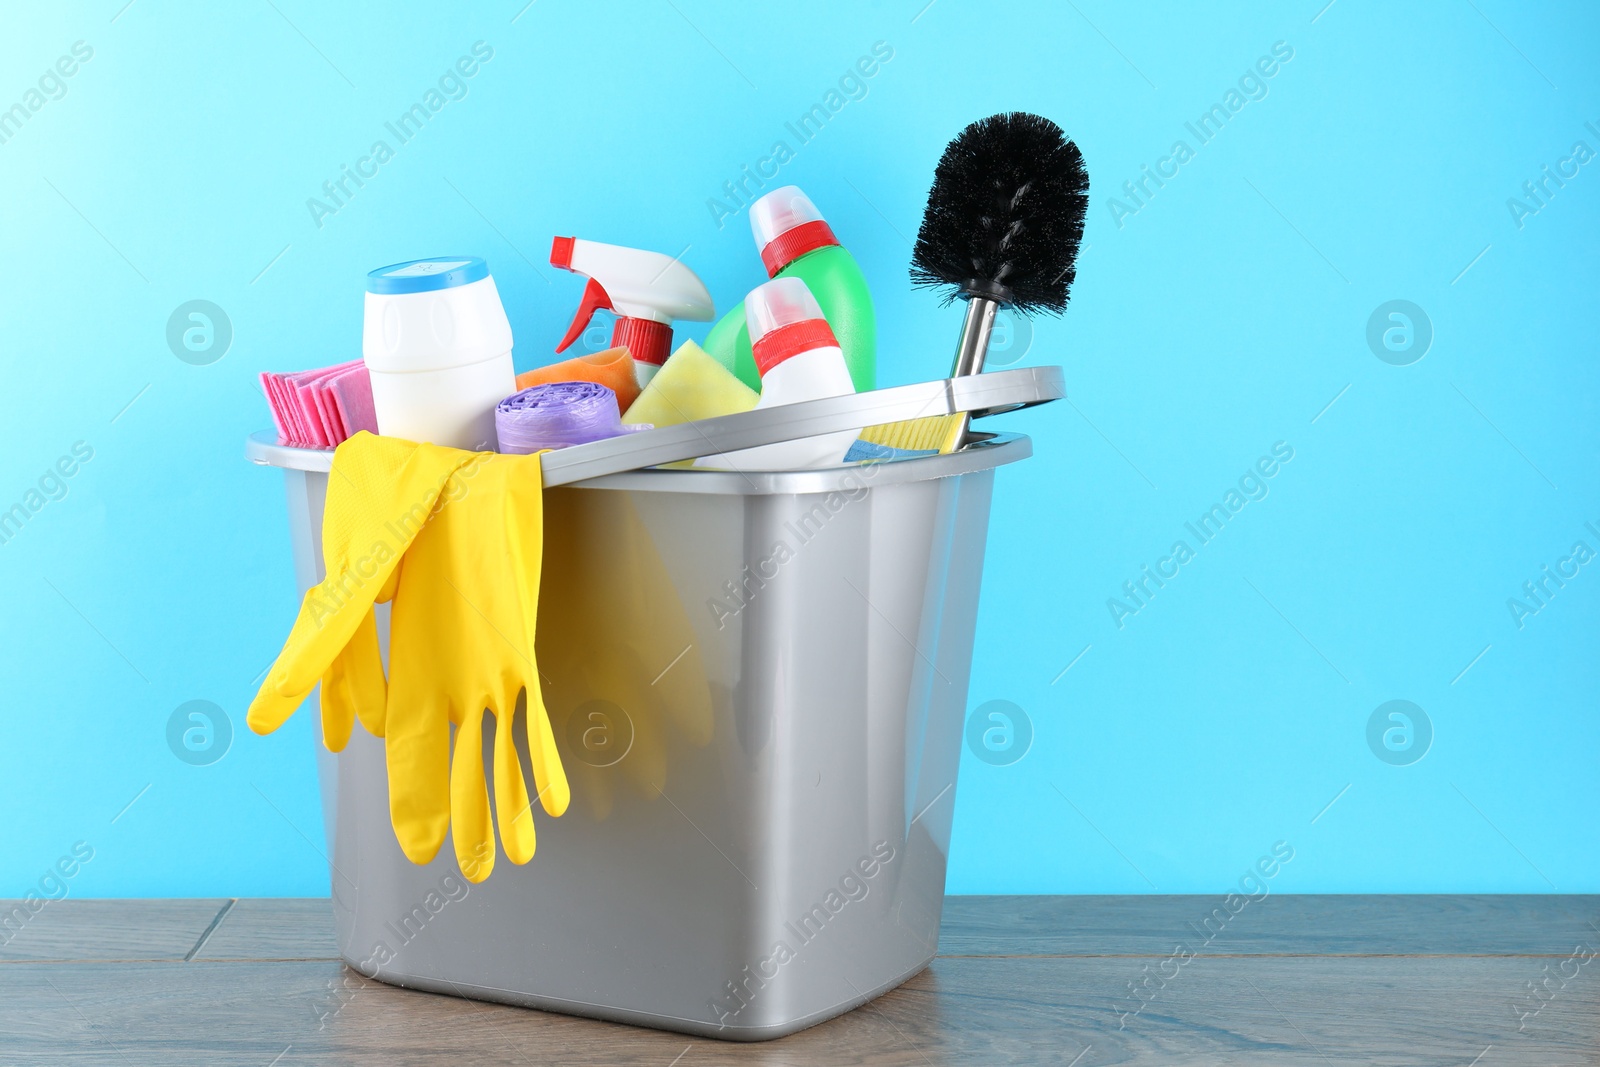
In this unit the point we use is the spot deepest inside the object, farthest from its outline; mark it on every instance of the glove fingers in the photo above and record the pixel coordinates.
(524, 543)
(548, 774)
(417, 751)
(377, 478)
(512, 807)
(330, 615)
(369, 692)
(386, 593)
(469, 800)
(270, 709)
(354, 686)
(338, 714)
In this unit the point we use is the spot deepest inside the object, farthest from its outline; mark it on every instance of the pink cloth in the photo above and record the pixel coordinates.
(320, 408)
(352, 395)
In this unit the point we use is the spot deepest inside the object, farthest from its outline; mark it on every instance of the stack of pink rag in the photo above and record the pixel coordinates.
(320, 408)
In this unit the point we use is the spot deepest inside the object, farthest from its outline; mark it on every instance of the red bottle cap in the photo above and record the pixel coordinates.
(787, 225)
(646, 341)
(784, 321)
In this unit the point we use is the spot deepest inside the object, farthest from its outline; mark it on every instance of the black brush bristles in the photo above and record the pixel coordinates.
(1005, 215)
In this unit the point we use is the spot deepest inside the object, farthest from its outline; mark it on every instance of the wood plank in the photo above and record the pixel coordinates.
(1234, 1010)
(266, 928)
(104, 929)
(1323, 924)
(302, 928)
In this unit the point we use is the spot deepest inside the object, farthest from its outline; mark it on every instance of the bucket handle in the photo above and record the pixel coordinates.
(977, 394)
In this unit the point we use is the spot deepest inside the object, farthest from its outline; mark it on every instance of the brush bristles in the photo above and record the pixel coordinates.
(1005, 215)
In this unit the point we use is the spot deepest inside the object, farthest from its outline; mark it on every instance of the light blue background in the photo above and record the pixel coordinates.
(1223, 317)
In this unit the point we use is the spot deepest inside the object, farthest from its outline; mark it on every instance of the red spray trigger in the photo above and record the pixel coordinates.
(594, 298)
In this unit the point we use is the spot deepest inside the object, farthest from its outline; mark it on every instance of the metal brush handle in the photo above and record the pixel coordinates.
(973, 348)
(975, 330)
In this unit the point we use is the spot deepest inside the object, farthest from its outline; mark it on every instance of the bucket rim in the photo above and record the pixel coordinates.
(986, 451)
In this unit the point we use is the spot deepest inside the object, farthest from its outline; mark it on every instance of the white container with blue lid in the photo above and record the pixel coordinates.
(437, 344)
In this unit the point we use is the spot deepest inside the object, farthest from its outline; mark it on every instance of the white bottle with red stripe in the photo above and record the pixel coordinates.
(799, 359)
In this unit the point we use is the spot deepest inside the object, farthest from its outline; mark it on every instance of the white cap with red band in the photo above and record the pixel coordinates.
(799, 359)
(787, 225)
(785, 320)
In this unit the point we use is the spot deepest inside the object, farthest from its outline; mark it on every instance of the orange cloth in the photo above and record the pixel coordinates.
(612, 368)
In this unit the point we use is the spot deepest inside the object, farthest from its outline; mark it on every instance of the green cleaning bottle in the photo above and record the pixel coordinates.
(796, 242)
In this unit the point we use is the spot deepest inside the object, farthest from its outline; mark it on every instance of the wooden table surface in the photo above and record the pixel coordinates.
(1469, 980)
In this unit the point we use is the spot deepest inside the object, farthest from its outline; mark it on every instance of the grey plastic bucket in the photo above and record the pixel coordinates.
(742, 858)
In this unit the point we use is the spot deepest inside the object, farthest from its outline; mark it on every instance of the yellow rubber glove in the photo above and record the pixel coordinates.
(353, 687)
(380, 494)
(461, 641)
(397, 510)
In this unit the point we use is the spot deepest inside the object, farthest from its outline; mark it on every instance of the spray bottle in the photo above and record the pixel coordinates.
(799, 359)
(796, 242)
(647, 290)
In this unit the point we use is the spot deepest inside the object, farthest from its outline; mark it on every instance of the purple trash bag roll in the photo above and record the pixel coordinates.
(556, 415)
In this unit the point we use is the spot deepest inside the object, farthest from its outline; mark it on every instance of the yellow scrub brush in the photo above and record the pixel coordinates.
(936, 433)
(1002, 229)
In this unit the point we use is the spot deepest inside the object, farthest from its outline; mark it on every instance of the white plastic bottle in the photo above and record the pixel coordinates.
(437, 344)
(799, 359)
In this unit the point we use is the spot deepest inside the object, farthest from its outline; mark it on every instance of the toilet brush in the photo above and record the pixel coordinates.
(1001, 230)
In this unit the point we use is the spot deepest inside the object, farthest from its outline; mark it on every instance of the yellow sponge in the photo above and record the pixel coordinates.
(690, 385)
